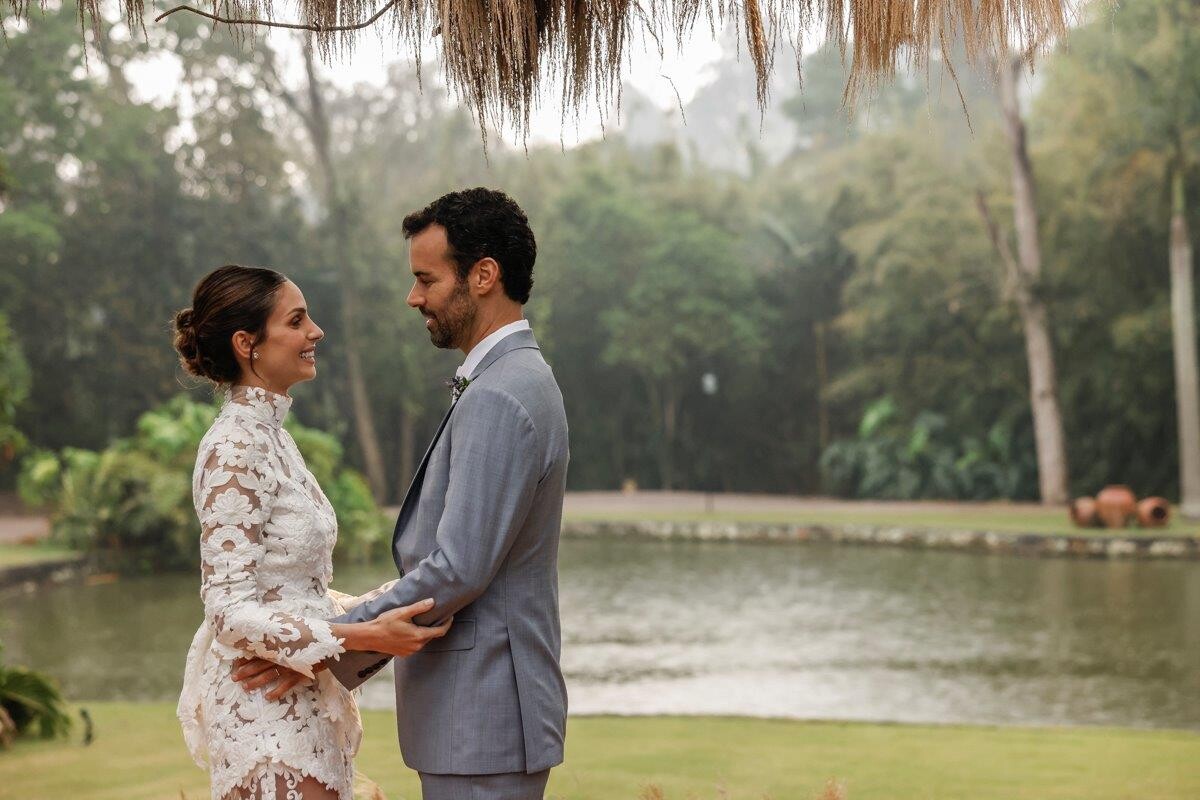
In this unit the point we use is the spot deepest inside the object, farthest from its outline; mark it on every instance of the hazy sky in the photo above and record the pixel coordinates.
(688, 69)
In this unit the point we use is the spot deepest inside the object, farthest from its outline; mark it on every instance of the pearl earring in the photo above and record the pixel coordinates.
(255, 355)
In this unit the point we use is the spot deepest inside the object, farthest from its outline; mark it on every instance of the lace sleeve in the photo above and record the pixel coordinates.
(233, 500)
(349, 601)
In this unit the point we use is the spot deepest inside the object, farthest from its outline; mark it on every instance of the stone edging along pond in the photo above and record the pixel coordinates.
(1124, 545)
(39, 572)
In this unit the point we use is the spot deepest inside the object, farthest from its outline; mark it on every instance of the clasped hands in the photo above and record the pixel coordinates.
(392, 633)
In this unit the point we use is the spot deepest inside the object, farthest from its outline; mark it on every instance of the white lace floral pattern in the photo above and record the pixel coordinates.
(266, 546)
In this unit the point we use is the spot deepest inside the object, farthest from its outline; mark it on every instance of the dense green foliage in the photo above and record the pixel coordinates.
(30, 705)
(899, 461)
(851, 274)
(132, 502)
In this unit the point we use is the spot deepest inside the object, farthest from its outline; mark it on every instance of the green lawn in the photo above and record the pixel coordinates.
(965, 517)
(139, 754)
(12, 555)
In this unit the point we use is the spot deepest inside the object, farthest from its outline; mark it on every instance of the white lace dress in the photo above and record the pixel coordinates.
(266, 545)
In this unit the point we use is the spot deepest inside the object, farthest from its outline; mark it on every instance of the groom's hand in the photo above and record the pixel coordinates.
(255, 673)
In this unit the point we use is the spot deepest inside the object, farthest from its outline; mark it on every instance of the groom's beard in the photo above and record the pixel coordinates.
(454, 324)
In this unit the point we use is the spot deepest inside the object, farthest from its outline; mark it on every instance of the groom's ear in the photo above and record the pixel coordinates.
(485, 276)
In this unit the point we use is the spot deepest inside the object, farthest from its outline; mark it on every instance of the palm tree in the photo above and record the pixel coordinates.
(1131, 77)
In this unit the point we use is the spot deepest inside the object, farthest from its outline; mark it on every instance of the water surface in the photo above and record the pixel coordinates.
(811, 631)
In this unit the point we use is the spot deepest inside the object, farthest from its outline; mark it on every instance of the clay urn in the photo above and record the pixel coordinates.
(1083, 512)
(1153, 512)
(1115, 505)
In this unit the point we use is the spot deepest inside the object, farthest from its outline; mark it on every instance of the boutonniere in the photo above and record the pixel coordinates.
(457, 387)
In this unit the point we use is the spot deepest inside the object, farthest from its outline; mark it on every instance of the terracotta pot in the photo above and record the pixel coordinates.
(1115, 505)
(1153, 512)
(1083, 512)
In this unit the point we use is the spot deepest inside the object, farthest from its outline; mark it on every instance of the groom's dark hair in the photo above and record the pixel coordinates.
(483, 223)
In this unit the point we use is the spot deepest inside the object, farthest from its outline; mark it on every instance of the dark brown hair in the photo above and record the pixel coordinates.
(227, 300)
(482, 223)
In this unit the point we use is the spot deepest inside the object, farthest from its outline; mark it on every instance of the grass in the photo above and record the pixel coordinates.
(139, 755)
(1045, 521)
(15, 555)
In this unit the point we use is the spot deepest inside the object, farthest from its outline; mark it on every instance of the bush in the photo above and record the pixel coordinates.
(131, 504)
(30, 704)
(924, 459)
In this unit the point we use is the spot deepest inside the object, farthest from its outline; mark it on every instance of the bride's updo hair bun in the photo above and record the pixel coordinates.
(227, 300)
(185, 338)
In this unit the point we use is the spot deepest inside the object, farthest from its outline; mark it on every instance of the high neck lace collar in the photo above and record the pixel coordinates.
(259, 403)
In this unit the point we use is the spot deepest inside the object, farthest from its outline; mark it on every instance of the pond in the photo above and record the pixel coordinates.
(808, 631)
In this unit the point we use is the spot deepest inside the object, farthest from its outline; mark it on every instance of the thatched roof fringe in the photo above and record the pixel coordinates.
(498, 53)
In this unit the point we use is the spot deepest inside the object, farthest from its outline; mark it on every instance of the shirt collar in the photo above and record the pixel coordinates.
(484, 347)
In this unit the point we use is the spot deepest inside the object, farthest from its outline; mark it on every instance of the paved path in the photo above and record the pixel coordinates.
(586, 502)
(16, 528)
(18, 525)
(620, 502)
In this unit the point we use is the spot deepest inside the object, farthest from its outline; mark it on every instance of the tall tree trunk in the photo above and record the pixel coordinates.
(1039, 350)
(1183, 328)
(670, 414)
(116, 72)
(317, 123)
(663, 408)
(823, 436)
(408, 441)
(618, 452)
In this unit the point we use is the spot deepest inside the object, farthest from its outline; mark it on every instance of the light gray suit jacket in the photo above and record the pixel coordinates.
(478, 532)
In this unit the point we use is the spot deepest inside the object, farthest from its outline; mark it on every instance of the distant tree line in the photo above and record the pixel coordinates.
(855, 310)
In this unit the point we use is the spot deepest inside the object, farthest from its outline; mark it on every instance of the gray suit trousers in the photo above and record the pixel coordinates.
(505, 786)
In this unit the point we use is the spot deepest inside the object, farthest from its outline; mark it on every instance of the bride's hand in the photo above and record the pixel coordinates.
(397, 635)
(258, 673)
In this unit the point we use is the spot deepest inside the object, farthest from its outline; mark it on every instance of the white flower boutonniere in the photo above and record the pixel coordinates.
(457, 387)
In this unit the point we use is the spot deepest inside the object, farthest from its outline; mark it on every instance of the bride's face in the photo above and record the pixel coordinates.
(287, 352)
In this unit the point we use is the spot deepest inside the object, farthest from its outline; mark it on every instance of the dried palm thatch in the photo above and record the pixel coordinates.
(499, 53)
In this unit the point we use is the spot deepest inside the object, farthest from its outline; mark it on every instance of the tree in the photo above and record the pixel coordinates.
(341, 254)
(1132, 76)
(1024, 275)
(112, 212)
(921, 315)
(685, 305)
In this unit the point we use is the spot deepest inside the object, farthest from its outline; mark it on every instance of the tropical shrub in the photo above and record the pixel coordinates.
(131, 504)
(30, 704)
(924, 459)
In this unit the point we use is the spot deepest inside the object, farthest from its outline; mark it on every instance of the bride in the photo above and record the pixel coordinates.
(267, 536)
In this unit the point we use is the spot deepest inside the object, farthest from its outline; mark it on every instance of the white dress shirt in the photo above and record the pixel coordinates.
(485, 346)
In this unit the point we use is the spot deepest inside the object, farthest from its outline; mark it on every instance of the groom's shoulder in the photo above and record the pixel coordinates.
(523, 377)
(518, 370)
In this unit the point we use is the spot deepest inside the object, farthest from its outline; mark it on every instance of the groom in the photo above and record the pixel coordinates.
(481, 712)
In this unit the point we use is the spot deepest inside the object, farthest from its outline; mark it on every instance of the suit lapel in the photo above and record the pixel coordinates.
(518, 341)
(415, 485)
